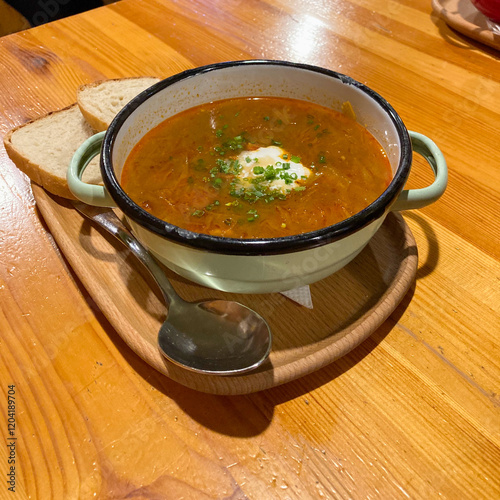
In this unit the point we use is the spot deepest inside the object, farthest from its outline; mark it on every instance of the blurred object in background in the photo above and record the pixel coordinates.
(11, 20)
(490, 8)
(16, 15)
(465, 17)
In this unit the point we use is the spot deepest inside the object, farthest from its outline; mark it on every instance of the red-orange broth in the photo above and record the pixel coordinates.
(186, 170)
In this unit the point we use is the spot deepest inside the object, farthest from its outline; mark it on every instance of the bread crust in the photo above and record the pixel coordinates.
(97, 124)
(49, 181)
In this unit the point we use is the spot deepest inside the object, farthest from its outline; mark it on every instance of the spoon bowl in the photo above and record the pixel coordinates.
(217, 337)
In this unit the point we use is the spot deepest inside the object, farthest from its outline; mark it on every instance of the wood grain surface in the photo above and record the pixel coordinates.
(413, 412)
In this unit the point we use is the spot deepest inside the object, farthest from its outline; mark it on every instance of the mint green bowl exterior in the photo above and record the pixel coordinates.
(254, 266)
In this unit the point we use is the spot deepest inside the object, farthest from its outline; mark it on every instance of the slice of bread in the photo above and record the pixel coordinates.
(43, 149)
(100, 101)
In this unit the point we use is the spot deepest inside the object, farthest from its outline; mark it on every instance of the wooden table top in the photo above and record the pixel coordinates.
(413, 412)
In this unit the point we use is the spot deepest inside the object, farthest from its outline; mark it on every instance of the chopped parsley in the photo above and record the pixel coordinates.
(252, 215)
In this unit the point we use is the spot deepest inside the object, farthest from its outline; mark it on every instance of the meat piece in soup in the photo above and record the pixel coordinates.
(256, 168)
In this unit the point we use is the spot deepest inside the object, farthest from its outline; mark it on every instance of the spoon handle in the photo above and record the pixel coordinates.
(107, 219)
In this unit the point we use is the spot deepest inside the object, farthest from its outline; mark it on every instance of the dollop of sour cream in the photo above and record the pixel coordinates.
(287, 172)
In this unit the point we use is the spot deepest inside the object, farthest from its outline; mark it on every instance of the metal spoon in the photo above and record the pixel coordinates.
(217, 337)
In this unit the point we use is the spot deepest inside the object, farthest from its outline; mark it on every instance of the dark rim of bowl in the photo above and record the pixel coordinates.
(258, 246)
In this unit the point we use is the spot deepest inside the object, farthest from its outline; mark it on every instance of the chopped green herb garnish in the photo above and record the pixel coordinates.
(295, 159)
(236, 167)
(270, 173)
(266, 118)
(218, 133)
(235, 143)
(258, 170)
(198, 213)
(212, 205)
(223, 166)
(322, 159)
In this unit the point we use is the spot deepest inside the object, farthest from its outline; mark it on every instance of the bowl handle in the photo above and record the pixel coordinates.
(88, 193)
(417, 198)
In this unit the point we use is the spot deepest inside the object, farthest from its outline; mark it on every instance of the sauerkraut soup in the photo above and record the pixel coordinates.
(261, 167)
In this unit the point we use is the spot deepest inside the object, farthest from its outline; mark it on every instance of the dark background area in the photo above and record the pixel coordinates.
(43, 11)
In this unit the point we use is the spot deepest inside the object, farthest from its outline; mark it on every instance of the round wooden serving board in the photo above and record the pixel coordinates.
(348, 306)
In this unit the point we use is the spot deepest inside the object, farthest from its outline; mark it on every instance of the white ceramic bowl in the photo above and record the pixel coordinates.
(256, 265)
